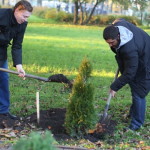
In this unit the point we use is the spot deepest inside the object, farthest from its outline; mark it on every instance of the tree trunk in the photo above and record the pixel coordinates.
(75, 20)
(86, 13)
(141, 17)
(81, 14)
(111, 7)
(3, 2)
(102, 7)
(39, 2)
(88, 19)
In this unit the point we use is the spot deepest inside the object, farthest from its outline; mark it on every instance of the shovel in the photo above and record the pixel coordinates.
(105, 118)
(60, 78)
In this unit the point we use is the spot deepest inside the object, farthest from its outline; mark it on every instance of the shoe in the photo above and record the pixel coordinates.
(130, 128)
(9, 115)
(133, 128)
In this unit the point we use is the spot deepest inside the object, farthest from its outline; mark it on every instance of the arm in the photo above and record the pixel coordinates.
(17, 49)
(130, 63)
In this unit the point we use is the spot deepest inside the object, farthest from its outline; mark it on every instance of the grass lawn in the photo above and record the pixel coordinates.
(51, 48)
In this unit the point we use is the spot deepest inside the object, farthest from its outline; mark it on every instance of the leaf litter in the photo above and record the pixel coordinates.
(52, 120)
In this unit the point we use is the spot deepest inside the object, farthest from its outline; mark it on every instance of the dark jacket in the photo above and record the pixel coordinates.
(10, 30)
(133, 59)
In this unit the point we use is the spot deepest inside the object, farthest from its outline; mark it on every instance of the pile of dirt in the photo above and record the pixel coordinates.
(53, 120)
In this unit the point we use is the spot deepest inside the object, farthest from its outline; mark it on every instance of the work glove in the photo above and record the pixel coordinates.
(20, 70)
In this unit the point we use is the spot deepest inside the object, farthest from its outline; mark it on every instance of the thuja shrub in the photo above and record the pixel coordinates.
(80, 115)
(36, 141)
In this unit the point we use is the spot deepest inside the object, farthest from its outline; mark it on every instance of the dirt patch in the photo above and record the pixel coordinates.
(53, 120)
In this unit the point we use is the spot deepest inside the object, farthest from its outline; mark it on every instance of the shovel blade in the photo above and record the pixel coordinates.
(105, 119)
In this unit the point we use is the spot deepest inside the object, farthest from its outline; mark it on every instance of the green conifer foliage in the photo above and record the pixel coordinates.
(36, 141)
(80, 115)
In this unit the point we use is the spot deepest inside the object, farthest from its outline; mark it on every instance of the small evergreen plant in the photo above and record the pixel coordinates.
(36, 141)
(80, 115)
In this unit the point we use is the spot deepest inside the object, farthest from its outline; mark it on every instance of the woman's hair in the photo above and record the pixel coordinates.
(23, 5)
(110, 32)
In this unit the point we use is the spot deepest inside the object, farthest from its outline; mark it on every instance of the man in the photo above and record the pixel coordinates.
(13, 23)
(132, 48)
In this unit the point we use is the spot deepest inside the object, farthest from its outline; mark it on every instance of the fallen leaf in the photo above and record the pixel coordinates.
(146, 148)
(91, 131)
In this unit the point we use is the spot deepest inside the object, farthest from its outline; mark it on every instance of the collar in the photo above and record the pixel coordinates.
(13, 19)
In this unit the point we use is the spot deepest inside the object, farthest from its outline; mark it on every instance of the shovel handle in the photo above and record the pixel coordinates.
(26, 75)
(116, 75)
(108, 103)
(110, 95)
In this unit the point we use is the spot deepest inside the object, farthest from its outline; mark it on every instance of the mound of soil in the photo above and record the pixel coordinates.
(53, 120)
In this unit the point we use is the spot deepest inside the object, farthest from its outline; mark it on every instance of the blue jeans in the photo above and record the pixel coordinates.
(4, 90)
(137, 111)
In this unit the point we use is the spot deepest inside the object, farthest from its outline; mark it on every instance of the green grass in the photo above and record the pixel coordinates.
(51, 48)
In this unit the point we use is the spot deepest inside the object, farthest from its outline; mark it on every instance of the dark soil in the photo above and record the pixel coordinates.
(60, 78)
(53, 120)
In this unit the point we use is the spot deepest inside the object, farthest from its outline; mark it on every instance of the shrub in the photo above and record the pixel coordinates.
(40, 11)
(131, 19)
(35, 141)
(80, 115)
(51, 13)
(64, 17)
(61, 16)
(108, 19)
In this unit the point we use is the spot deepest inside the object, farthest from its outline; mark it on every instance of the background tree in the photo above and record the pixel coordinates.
(140, 5)
(92, 11)
(85, 17)
(3, 2)
(75, 20)
(39, 2)
(123, 4)
(81, 11)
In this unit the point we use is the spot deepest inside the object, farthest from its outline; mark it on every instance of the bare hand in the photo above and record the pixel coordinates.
(112, 92)
(20, 70)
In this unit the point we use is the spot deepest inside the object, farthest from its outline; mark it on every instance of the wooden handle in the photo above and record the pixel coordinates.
(110, 96)
(26, 75)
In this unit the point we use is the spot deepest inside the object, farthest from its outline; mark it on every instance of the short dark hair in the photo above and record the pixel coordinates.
(110, 32)
(24, 5)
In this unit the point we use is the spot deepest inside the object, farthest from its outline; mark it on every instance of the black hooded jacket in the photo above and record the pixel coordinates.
(10, 30)
(133, 59)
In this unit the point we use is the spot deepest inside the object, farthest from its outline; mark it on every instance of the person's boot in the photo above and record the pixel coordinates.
(9, 115)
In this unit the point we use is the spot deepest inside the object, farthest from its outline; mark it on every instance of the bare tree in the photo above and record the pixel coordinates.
(75, 20)
(92, 11)
(81, 11)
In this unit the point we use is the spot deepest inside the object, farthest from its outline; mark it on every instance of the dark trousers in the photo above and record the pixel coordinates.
(137, 111)
(4, 89)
